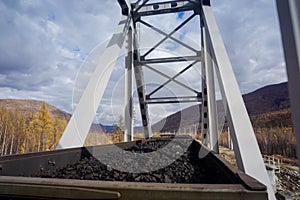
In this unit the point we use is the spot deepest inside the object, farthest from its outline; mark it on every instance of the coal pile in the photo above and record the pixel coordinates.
(184, 167)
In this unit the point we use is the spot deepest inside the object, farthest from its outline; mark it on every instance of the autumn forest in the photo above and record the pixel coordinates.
(29, 133)
(41, 130)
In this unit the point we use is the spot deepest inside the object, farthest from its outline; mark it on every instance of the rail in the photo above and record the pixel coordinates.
(272, 163)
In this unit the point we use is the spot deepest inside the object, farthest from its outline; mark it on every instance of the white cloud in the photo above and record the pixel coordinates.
(43, 45)
(44, 42)
(250, 32)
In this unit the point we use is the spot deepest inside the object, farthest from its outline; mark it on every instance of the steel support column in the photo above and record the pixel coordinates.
(141, 87)
(204, 120)
(82, 118)
(129, 89)
(211, 96)
(289, 18)
(249, 158)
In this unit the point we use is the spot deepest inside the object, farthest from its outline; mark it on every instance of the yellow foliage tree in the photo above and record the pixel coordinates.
(45, 127)
(59, 125)
(30, 133)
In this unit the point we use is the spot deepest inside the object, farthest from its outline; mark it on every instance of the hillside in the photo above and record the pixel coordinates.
(268, 99)
(25, 107)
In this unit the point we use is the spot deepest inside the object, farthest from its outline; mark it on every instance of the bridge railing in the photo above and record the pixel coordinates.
(272, 162)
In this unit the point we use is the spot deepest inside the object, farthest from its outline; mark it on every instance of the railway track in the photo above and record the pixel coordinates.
(80, 173)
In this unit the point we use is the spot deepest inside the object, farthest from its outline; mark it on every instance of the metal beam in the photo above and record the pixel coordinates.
(174, 101)
(246, 149)
(141, 88)
(170, 59)
(168, 36)
(140, 6)
(129, 88)
(164, 100)
(289, 18)
(211, 96)
(204, 106)
(124, 7)
(82, 118)
(166, 7)
(173, 78)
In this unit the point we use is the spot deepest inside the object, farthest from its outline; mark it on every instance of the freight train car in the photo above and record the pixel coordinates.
(78, 174)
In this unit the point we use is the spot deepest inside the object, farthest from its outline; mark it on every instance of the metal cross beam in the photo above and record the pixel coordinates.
(170, 59)
(163, 100)
(164, 7)
(168, 35)
(172, 79)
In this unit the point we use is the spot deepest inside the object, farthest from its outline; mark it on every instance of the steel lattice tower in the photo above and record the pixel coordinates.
(213, 59)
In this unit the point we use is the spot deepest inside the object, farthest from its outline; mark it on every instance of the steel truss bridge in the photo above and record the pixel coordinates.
(211, 56)
(213, 59)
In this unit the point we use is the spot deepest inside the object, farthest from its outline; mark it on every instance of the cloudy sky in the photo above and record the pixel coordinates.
(47, 45)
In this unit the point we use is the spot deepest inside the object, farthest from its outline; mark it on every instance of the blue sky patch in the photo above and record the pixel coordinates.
(51, 16)
(180, 15)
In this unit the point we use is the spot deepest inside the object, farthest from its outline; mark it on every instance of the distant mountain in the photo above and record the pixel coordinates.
(31, 106)
(185, 117)
(110, 128)
(267, 99)
(264, 100)
(107, 128)
(99, 128)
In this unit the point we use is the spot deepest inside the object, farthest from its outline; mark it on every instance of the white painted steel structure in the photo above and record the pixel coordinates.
(211, 93)
(249, 158)
(129, 119)
(213, 59)
(82, 118)
(289, 18)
